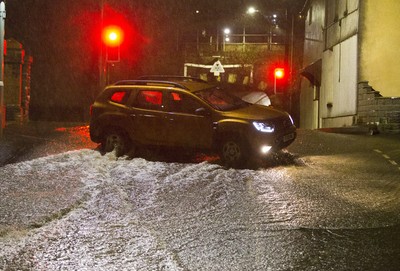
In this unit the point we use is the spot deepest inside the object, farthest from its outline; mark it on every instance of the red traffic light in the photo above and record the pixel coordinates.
(279, 73)
(112, 36)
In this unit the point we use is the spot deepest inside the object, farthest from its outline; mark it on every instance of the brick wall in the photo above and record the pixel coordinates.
(377, 111)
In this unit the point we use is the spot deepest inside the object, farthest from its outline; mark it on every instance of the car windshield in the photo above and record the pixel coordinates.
(220, 99)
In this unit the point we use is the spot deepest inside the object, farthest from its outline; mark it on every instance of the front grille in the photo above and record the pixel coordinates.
(282, 123)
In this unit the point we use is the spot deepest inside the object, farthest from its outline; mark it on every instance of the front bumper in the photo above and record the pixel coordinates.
(264, 143)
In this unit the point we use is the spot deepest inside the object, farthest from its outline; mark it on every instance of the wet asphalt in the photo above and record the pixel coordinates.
(329, 202)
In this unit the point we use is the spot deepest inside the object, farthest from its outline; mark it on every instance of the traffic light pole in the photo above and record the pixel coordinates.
(102, 62)
(2, 106)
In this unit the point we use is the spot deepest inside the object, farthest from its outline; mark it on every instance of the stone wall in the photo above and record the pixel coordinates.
(377, 112)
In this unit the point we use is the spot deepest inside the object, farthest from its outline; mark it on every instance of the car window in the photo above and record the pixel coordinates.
(220, 99)
(182, 103)
(119, 97)
(149, 99)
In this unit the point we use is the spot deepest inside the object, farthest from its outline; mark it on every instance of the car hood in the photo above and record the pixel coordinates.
(256, 112)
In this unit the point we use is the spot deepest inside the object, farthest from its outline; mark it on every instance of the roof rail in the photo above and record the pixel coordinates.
(172, 78)
(148, 82)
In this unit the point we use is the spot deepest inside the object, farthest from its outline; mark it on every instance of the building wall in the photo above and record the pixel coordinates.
(331, 36)
(338, 101)
(379, 46)
(314, 32)
(313, 49)
(360, 47)
(341, 21)
(309, 106)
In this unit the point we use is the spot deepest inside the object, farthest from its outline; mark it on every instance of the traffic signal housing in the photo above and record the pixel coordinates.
(112, 37)
(113, 54)
(279, 82)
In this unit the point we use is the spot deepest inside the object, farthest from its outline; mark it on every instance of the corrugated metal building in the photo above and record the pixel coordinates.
(349, 43)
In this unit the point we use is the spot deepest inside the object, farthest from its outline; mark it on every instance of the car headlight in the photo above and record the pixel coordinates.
(291, 119)
(264, 127)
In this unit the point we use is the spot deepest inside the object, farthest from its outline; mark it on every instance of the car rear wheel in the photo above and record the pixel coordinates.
(116, 141)
(233, 152)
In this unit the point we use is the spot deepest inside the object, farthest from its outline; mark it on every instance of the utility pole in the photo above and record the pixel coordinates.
(2, 106)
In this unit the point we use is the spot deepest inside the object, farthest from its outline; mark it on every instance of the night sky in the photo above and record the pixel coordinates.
(63, 37)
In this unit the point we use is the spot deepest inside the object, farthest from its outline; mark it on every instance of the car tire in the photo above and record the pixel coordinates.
(116, 141)
(233, 152)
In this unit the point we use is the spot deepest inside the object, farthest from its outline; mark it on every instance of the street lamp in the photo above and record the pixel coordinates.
(251, 10)
(226, 39)
(270, 19)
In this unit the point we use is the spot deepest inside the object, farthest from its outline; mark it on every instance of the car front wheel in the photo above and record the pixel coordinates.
(233, 153)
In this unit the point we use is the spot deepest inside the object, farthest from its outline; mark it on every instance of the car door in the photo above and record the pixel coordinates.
(148, 116)
(189, 121)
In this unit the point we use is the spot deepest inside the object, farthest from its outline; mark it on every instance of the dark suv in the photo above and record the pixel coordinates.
(190, 113)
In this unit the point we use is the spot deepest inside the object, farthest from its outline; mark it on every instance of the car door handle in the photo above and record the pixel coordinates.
(170, 117)
(144, 115)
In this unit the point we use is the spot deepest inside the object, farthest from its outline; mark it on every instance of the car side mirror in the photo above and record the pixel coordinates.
(202, 112)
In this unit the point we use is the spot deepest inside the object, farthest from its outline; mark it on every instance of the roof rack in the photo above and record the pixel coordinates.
(148, 82)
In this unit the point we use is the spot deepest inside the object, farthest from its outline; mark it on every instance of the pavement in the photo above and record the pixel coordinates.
(30, 140)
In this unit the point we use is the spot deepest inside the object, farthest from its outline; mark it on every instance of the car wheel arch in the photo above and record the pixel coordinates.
(118, 137)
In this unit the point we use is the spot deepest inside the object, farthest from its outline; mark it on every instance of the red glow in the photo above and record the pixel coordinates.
(118, 97)
(113, 36)
(60, 129)
(78, 136)
(176, 96)
(153, 97)
(279, 73)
